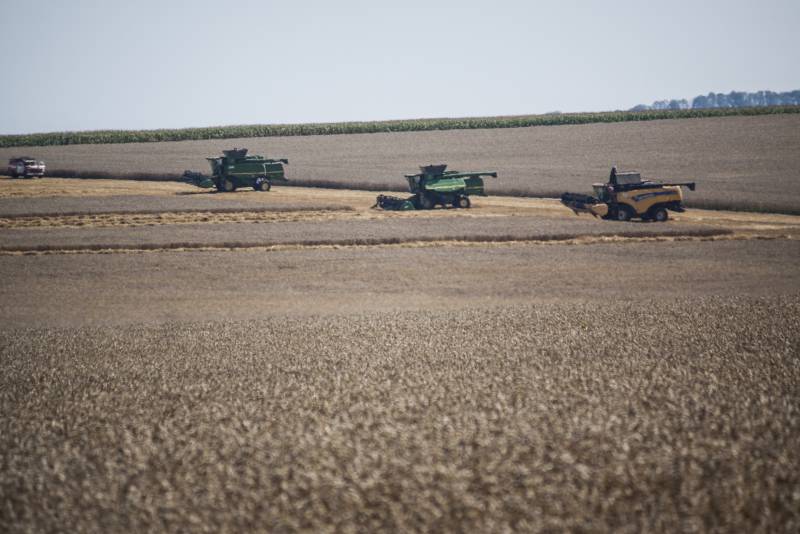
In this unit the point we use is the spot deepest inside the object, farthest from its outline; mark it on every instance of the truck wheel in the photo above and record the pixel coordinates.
(622, 213)
(660, 215)
(263, 185)
(426, 202)
(228, 186)
(462, 202)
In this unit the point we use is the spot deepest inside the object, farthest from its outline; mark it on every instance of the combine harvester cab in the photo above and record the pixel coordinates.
(435, 185)
(626, 196)
(235, 169)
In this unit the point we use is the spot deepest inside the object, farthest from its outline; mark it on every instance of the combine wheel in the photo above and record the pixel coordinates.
(263, 185)
(660, 215)
(228, 186)
(622, 213)
(462, 202)
(426, 202)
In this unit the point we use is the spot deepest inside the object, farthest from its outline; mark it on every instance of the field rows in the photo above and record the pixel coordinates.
(600, 383)
(330, 231)
(738, 162)
(410, 125)
(624, 417)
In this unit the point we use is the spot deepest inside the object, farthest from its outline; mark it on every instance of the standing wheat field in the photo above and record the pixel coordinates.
(738, 162)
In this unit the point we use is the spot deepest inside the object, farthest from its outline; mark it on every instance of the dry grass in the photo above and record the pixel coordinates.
(680, 417)
(738, 162)
(321, 228)
(605, 383)
(58, 187)
(133, 219)
(443, 240)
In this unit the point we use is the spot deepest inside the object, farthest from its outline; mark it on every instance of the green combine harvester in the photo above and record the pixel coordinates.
(435, 185)
(236, 169)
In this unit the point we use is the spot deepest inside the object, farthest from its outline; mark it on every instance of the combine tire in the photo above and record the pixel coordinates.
(622, 213)
(660, 215)
(263, 185)
(462, 202)
(426, 202)
(228, 186)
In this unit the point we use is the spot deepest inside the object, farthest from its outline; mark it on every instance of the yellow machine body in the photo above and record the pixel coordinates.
(626, 196)
(642, 200)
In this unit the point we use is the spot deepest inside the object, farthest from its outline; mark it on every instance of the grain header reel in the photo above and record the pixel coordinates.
(435, 185)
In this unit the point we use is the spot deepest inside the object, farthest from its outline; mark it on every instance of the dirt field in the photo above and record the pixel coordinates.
(295, 361)
(737, 161)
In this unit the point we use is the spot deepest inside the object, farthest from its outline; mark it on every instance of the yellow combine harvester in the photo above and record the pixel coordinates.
(626, 196)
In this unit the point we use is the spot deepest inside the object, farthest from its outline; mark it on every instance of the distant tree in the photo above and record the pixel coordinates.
(734, 99)
(738, 99)
(700, 102)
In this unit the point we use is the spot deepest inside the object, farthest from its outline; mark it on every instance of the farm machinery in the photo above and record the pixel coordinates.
(435, 185)
(626, 196)
(236, 169)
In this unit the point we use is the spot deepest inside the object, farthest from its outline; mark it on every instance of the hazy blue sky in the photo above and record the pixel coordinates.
(77, 65)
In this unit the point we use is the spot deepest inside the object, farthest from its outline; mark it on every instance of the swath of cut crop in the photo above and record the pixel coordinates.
(369, 242)
(133, 219)
(536, 162)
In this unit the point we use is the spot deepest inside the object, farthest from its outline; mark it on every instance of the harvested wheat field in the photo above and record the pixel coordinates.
(739, 162)
(177, 360)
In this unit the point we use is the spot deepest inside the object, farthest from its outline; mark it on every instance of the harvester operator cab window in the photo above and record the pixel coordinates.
(601, 192)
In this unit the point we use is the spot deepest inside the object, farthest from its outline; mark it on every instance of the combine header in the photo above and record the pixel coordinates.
(236, 169)
(435, 185)
(626, 196)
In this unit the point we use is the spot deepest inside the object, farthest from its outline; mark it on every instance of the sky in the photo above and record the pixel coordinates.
(109, 64)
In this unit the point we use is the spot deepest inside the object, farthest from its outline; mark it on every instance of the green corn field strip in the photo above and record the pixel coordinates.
(411, 125)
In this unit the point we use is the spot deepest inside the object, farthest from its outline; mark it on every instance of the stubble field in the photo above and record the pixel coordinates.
(294, 361)
(738, 162)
